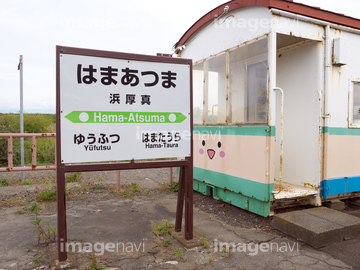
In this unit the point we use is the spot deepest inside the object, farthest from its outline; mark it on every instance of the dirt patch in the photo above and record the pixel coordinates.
(95, 190)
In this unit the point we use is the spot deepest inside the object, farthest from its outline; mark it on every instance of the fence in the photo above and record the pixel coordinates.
(34, 167)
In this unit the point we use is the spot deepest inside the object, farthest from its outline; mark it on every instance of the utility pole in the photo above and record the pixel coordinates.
(20, 67)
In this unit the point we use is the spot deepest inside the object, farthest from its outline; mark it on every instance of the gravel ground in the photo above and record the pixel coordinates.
(22, 195)
(95, 188)
(18, 195)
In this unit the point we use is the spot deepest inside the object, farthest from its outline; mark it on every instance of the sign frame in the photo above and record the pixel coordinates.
(185, 193)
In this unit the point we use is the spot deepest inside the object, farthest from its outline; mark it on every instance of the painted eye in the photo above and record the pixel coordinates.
(203, 143)
(219, 144)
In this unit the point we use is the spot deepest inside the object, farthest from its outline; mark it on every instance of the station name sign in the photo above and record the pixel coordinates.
(118, 106)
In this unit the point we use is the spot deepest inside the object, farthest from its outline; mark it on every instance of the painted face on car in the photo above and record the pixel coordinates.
(211, 152)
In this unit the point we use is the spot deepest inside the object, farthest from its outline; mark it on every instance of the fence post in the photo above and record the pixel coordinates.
(10, 153)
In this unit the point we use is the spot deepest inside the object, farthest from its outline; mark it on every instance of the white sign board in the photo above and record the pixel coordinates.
(117, 109)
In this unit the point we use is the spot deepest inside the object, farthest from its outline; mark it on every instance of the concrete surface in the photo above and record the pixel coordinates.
(318, 226)
(129, 221)
(335, 205)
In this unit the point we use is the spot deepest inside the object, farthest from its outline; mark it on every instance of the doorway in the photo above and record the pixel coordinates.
(299, 74)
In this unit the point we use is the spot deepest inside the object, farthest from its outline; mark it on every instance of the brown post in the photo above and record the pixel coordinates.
(61, 208)
(180, 200)
(189, 217)
(60, 173)
(118, 180)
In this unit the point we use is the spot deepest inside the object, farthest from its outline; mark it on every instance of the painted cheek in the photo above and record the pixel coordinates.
(222, 154)
(201, 151)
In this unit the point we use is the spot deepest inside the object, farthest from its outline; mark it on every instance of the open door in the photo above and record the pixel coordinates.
(299, 74)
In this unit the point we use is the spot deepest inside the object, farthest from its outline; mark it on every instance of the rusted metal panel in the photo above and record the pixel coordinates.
(290, 192)
(10, 153)
(27, 168)
(296, 8)
(26, 135)
(33, 153)
(33, 167)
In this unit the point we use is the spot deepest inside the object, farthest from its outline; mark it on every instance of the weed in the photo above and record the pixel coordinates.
(47, 194)
(21, 211)
(135, 187)
(4, 182)
(167, 242)
(94, 265)
(27, 182)
(98, 187)
(44, 233)
(131, 190)
(174, 187)
(206, 243)
(160, 230)
(178, 252)
(37, 259)
(73, 177)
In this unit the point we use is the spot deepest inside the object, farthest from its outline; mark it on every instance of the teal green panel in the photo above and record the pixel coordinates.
(239, 200)
(252, 189)
(236, 130)
(341, 131)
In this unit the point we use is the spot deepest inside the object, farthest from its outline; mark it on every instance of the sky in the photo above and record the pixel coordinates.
(34, 28)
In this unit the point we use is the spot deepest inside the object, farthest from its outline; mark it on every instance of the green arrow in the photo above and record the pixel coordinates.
(125, 117)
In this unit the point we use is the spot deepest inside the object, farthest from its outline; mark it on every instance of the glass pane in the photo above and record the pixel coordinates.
(248, 83)
(356, 111)
(216, 90)
(198, 92)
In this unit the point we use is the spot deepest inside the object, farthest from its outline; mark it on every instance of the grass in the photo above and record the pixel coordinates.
(47, 194)
(33, 123)
(73, 177)
(167, 242)
(162, 229)
(94, 265)
(13, 202)
(172, 188)
(205, 242)
(4, 182)
(21, 211)
(178, 252)
(27, 182)
(131, 190)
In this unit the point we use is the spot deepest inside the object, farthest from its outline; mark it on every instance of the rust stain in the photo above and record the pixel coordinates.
(310, 185)
(339, 71)
(33, 167)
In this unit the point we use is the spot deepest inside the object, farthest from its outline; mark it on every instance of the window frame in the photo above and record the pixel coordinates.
(351, 123)
(250, 61)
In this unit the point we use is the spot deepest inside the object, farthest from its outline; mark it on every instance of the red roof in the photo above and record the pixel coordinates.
(286, 5)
